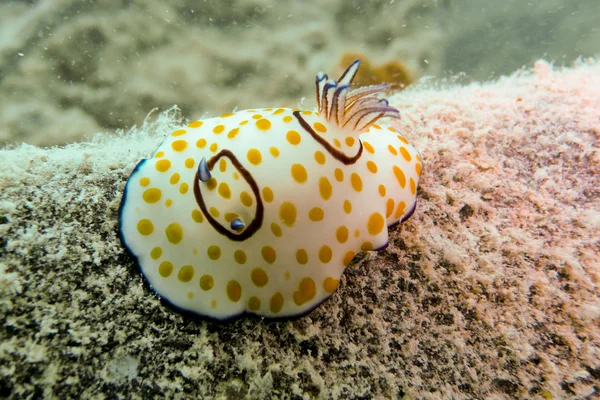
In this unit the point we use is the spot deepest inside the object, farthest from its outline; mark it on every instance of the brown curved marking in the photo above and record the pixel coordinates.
(256, 223)
(338, 155)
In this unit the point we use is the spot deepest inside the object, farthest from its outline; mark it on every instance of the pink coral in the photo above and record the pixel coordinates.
(509, 216)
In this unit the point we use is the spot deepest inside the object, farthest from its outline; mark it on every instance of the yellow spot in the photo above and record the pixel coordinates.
(301, 256)
(347, 206)
(356, 182)
(276, 303)
(375, 224)
(254, 156)
(159, 154)
(269, 254)
(293, 137)
(224, 190)
(214, 212)
(211, 184)
(339, 175)
(402, 139)
(392, 150)
(165, 269)
(287, 275)
(391, 129)
(197, 216)
(330, 285)
(254, 303)
(195, 124)
(230, 216)
(183, 188)
(168, 203)
(206, 282)
(190, 295)
(342, 234)
(226, 115)
(163, 165)
(246, 199)
(244, 122)
(400, 176)
(274, 151)
(156, 253)
(368, 147)
(319, 157)
(325, 188)
(152, 195)
(213, 252)
(372, 166)
(236, 176)
(376, 126)
(214, 147)
(307, 112)
(267, 194)
(307, 291)
(319, 127)
(278, 111)
(222, 165)
(145, 227)
(349, 141)
(405, 153)
(179, 145)
(325, 254)
(213, 304)
(356, 233)
(174, 178)
(389, 209)
(239, 256)
(259, 277)
(413, 186)
(234, 291)
(316, 214)
(144, 181)
(287, 213)
(348, 257)
(257, 116)
(189, 163)
(233, 133)
(276, 229)
(179, 132)
(400, 209)
(287, 119)
(186, 273)
(201, 143)
(337, 143)
(174, 233)
(218, 129)
(382, 190)
(366, 246)
(299, 173)
(263, 124)
(418, 169)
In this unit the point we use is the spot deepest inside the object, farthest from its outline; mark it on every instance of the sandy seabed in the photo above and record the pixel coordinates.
(490, 290)
(71, 68)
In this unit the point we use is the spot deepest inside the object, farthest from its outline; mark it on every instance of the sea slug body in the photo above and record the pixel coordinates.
(260, 211)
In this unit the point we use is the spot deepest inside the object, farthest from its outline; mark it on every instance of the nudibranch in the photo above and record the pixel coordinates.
(260, 211)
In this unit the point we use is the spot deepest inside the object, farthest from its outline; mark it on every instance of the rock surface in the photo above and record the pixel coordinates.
(490, 290)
